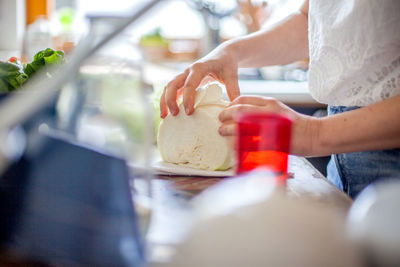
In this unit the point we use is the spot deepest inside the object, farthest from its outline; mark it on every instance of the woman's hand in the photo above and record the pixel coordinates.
(220, 64)
(305, 128)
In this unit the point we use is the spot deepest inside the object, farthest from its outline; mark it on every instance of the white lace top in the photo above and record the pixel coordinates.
(354, 50)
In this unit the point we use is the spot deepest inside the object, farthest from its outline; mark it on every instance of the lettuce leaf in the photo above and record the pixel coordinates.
(44, 58)
(12, 76)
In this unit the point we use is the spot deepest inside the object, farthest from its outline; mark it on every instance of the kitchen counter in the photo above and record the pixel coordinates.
(289, 92)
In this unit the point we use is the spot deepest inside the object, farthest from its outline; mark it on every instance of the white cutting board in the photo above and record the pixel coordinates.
(166, 168)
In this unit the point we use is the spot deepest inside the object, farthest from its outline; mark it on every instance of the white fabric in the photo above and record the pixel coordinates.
(354, 50)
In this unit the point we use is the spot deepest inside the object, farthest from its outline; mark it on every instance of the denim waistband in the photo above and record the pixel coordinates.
(339, 109)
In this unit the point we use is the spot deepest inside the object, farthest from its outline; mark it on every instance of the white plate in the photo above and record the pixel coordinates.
(173, 169)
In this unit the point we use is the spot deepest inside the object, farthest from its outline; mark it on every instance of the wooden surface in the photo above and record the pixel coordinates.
(172, 202)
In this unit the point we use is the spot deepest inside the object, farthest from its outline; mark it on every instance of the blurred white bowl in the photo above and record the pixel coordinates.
(263, 227)
(374, 223)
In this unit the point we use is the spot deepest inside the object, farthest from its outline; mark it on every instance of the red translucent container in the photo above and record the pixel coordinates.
(263, 140)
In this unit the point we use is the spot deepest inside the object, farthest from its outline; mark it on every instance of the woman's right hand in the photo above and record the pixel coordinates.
(220, 64)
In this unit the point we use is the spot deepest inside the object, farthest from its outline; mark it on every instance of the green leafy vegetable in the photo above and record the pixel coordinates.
(13, 74)
(3, 87)
(43, 58)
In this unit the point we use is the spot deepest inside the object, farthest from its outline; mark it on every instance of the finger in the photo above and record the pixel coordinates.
(171, 92)
(228, 129)
(252, 100)
(163, 106)
(232, 85)
(228, 113)
(189, 91)
(228, 121)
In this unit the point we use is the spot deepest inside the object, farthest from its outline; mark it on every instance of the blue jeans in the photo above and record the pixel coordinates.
(352, 172)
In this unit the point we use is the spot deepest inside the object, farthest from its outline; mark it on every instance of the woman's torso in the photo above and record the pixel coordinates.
(354, 50)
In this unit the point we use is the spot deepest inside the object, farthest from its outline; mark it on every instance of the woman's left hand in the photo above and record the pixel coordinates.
(305, 128)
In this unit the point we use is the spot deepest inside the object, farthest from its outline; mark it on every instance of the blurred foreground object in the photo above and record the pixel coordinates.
(63, 203)
(252, 222)
(374, 223)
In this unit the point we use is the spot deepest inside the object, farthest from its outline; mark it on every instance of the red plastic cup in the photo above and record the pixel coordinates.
(263, 141)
